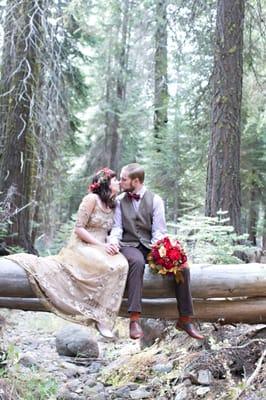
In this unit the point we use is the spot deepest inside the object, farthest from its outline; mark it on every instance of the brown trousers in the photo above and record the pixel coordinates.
(136, 257)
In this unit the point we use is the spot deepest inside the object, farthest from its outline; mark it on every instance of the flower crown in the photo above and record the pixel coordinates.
(102, 175)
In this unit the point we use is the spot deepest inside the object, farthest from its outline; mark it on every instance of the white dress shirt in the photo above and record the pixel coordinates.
(158, 218)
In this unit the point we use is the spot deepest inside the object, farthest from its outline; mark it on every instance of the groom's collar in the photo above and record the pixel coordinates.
(141, 192)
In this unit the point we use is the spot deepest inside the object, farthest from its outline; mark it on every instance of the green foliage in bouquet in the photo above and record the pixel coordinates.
(209, 239)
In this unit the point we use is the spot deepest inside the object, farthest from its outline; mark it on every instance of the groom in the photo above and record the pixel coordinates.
(140, 221)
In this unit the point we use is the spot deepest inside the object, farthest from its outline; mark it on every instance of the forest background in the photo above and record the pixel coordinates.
(178, 86)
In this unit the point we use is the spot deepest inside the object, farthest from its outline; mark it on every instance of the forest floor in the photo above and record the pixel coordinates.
(228, 365)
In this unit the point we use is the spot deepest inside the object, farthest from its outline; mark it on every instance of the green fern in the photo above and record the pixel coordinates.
(209, 239)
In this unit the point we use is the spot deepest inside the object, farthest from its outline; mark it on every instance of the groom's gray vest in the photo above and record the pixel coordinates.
(137, 225)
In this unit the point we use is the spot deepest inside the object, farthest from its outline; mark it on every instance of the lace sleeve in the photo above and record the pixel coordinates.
(85, 209)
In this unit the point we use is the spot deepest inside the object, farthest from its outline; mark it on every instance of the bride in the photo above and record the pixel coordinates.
(85, 282)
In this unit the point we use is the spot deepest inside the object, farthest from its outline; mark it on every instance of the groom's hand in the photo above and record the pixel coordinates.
(111, 249)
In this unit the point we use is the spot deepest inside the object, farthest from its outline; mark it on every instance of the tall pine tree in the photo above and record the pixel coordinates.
(223, 177)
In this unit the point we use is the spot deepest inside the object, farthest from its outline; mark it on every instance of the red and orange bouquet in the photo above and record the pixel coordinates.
(168, 257)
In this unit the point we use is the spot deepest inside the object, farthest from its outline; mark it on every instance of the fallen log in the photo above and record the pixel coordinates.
(251, 311)
(211, 285)
(207, 281)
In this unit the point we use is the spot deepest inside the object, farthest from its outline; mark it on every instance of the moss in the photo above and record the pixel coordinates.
(136, 369)
(232, 50)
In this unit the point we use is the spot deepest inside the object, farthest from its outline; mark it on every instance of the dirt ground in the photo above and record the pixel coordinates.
(228, 365)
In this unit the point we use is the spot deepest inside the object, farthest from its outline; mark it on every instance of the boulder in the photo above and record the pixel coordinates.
(75, 341)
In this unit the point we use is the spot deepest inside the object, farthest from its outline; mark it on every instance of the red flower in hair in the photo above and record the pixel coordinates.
(103, 175)
(94, 186)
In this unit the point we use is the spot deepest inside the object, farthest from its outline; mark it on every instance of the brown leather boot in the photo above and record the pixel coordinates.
(135, 330)
(185, 324)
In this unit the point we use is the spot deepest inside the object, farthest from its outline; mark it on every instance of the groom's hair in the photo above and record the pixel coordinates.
(135, 170)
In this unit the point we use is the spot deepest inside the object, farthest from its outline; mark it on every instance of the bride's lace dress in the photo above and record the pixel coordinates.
(82, 283)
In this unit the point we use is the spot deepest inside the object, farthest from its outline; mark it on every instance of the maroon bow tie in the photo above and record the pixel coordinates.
(134, 196)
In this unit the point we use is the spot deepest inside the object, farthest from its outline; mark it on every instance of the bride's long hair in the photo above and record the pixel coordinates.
(101, 186)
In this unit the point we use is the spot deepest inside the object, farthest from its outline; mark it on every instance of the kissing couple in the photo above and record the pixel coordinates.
(107, 251)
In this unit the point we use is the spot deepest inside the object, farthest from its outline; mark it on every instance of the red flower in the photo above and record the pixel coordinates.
(168, 264)
(155, 253)
(167, 243)
(94, 186)
(174, 254)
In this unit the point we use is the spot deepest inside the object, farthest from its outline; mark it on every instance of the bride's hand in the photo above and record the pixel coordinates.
(111, 249)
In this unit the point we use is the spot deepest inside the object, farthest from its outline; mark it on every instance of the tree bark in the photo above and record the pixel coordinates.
(207, 281)
(160, 70)
(5, 83)
(115, 99)
(19, 160)
(223, 176)
(108, 112)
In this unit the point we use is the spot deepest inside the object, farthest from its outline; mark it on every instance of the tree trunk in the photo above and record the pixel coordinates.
(223, 176)
(160, 71)
(5, 82)
(19, 160)
(109, 115)
(115, 99)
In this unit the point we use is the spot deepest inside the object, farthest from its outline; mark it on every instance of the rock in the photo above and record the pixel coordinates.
(71, 373)
(129, 390)
(28, 360)
(125, 389)
(99, 387)
(94, 367)
(88, 382)
(122, 392)
(156, 382)
(204, 377)
(73, 385)
(65, 394)
(74, 341)
(93, 393)
(132, 385)
(153, 329)
(187, 382)
(181, 393)
(192, 377)
(140, 394)
(202, 391)
(163, 368)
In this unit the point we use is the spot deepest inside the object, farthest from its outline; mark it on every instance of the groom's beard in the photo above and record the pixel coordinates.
(130, 189)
